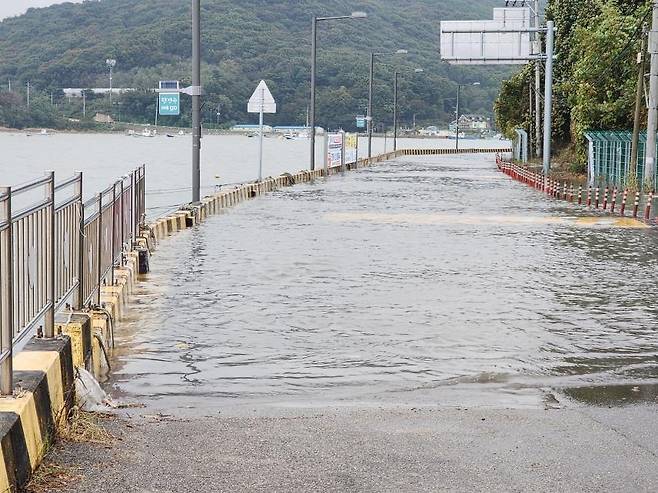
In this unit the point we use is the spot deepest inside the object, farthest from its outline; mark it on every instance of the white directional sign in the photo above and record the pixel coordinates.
(505, 40)
(262, 100)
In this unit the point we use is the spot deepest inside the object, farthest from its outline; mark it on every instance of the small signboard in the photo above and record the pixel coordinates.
(360, 121)
(334, 150)
(169, 104)
(351, 148)
(262, 100)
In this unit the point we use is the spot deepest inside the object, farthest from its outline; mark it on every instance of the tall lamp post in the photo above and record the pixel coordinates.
(373, 55)
(111, 63)
(314, 59)
(395, 106)
(457, 112)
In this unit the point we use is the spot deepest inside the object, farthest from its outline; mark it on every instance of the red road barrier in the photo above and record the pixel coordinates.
(623, 202)
(605, 198)
(614, 200)
(636, 205)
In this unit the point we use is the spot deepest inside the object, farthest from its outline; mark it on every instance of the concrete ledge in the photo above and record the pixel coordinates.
(29, 419)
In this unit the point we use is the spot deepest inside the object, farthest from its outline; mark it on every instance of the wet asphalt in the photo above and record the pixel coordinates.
(378, 450)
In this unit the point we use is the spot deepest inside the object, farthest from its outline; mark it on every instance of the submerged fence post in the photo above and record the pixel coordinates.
(49, 319)
(6, 292)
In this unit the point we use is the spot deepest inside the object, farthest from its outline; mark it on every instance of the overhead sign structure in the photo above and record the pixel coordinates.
(261, 102)
(505, 40)
(169, 104)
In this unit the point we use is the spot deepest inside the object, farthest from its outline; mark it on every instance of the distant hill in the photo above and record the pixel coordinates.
(66, 46)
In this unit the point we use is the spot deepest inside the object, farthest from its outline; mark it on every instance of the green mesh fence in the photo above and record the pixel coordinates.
(610, 156)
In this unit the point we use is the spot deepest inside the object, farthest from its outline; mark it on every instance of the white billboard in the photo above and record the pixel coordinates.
(488, 42)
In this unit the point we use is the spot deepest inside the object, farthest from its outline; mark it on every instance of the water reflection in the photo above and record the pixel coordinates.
(433, 280)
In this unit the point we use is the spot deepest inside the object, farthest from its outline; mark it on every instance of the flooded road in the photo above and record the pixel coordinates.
(424, 281)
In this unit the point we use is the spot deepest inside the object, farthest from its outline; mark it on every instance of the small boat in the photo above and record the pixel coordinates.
(171, 136)
(145, 133)
(42, 133)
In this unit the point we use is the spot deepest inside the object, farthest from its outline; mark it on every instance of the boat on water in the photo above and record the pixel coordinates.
(144, 133)
(42, 133)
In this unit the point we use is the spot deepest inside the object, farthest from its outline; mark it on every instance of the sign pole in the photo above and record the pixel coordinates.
(260, 152)
(196, 101)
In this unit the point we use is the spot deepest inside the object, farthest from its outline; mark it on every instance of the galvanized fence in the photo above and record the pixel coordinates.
(56, 250)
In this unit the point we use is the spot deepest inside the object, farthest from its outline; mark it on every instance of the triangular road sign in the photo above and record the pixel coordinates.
(262, 100)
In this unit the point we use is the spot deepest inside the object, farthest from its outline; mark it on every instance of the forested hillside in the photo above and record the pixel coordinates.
(67, 45)
(597, 43)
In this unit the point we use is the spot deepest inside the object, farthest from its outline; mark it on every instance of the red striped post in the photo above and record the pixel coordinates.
(580, 195)
(571, 193)
(623, 202)
(589, 196)
(614, 200)
(596, 199)
(647, 208)
(636, 204)
(605, 198)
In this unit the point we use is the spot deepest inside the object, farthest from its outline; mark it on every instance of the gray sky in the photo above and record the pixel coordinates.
(10, 8)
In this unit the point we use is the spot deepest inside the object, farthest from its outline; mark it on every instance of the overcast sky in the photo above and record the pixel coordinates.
(14, 7)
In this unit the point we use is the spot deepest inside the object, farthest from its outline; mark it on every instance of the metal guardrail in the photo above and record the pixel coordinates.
(58, 251)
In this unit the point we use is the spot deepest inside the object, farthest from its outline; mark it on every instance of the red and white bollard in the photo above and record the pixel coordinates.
(623, 202)
(614, 200)
(647, 208)
(605, 198)
(636, 205)
(589, 196)
(596, 198)
(580, 194)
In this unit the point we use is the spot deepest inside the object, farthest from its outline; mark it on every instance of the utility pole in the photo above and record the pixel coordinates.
(650, 164)
(537, 83)
(314, 70)
(28, 96)
(395, 111)
(369, 118)
(196, 101)
(639, 103)
(548, 95)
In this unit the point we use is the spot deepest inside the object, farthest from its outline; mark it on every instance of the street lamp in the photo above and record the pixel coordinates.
(111, 63)
(395, 106)
(370, 91)
(314, 57)
(459, 89)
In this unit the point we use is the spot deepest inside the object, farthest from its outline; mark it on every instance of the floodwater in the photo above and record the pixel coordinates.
(424, 281)
(225, 159)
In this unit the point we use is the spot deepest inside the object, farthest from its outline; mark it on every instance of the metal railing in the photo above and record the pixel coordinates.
(57, 250)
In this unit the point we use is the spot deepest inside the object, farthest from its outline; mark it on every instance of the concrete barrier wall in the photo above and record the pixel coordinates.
(45, 370)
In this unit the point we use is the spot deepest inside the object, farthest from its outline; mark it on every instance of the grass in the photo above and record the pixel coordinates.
(81, 427)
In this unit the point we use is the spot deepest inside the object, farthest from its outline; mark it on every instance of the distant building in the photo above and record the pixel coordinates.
(250, 128)
(471, 122)
(103, 118)
(429, 131)
(76, 92)
(297, 130)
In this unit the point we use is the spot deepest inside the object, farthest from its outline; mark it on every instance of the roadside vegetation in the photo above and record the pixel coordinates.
(595, 75)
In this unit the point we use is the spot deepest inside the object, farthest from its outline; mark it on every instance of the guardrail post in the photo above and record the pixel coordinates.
(80, 297)
(49, 319)
(133, 206)
(122, 221)
(6, 294)
(99, 248)
(113, 246)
